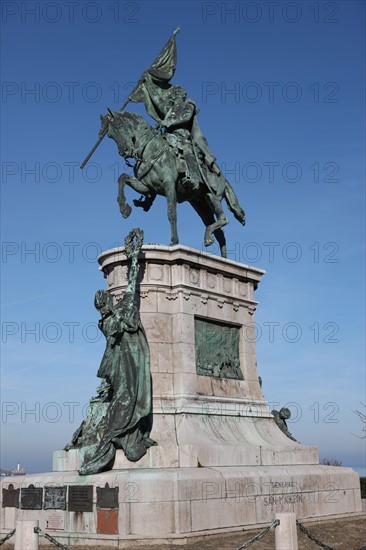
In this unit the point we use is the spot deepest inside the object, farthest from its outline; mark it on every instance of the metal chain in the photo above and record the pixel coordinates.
(7, 537)
(260, 535)
(317, 541)
(313, 537)
(39, 531)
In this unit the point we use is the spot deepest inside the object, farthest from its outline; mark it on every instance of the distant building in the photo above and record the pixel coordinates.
(18, 471)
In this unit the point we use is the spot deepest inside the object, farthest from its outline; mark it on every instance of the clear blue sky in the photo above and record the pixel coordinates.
(281, 92)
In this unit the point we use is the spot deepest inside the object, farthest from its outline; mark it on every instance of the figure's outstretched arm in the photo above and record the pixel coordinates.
(133, 244)
(132, 278)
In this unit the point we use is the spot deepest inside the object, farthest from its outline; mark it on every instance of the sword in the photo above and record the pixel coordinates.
(103, 134)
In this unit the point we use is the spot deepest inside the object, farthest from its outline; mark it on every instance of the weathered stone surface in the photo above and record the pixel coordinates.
(66, 461)
(187, 285)
(25, 537)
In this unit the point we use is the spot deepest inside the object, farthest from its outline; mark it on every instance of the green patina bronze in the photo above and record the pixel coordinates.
(120, 417)
(280, 419)
(173, 159)
(217, 350)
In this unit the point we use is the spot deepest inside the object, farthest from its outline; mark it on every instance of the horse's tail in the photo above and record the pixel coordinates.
(233, 203)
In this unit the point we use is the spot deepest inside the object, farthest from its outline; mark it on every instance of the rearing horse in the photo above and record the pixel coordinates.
(156, 173)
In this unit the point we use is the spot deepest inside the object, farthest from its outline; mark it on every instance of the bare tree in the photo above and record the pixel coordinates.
(331, 462)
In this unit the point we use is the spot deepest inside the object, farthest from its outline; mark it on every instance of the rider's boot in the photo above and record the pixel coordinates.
(192, 175)
(143, 202)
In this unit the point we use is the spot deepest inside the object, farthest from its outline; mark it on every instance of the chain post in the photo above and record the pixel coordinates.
(286, 533)
(25, 535)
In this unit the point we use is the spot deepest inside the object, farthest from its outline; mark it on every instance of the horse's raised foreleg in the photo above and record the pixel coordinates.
(138, 186)
(124, 208)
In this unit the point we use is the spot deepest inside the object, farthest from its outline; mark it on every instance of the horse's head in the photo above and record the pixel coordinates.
(126, 130)
(113, 125)
(104, 119)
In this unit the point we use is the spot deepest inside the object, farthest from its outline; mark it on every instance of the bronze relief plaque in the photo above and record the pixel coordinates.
(54, 498)
(80, 498)
(31, 498)
(11, 497)
(107, 497)
(217, 349)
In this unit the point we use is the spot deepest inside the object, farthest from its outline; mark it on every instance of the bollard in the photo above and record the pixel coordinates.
(25, 537)
(286, 532)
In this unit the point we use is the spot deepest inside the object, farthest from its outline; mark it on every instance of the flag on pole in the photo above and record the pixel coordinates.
(161, 70)
(155, 79)
(164, 65)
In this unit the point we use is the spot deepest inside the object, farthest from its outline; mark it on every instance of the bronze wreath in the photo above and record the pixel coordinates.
(133, 242)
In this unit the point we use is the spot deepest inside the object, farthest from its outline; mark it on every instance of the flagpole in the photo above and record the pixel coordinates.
(105, 131)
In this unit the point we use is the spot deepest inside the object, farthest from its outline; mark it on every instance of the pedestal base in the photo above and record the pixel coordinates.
(172, 504)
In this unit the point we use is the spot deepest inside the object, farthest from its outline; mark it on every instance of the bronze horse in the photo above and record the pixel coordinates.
(156, 173)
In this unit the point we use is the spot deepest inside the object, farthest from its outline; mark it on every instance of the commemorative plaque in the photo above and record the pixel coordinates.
(11, 497)
(55, 519)
(107, 521)
(54, 498)
(107, 497)
(80, 498)
(31, 498)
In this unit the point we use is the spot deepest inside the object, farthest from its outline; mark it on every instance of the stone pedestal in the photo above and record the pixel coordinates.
(221, 462)
(201, 420)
